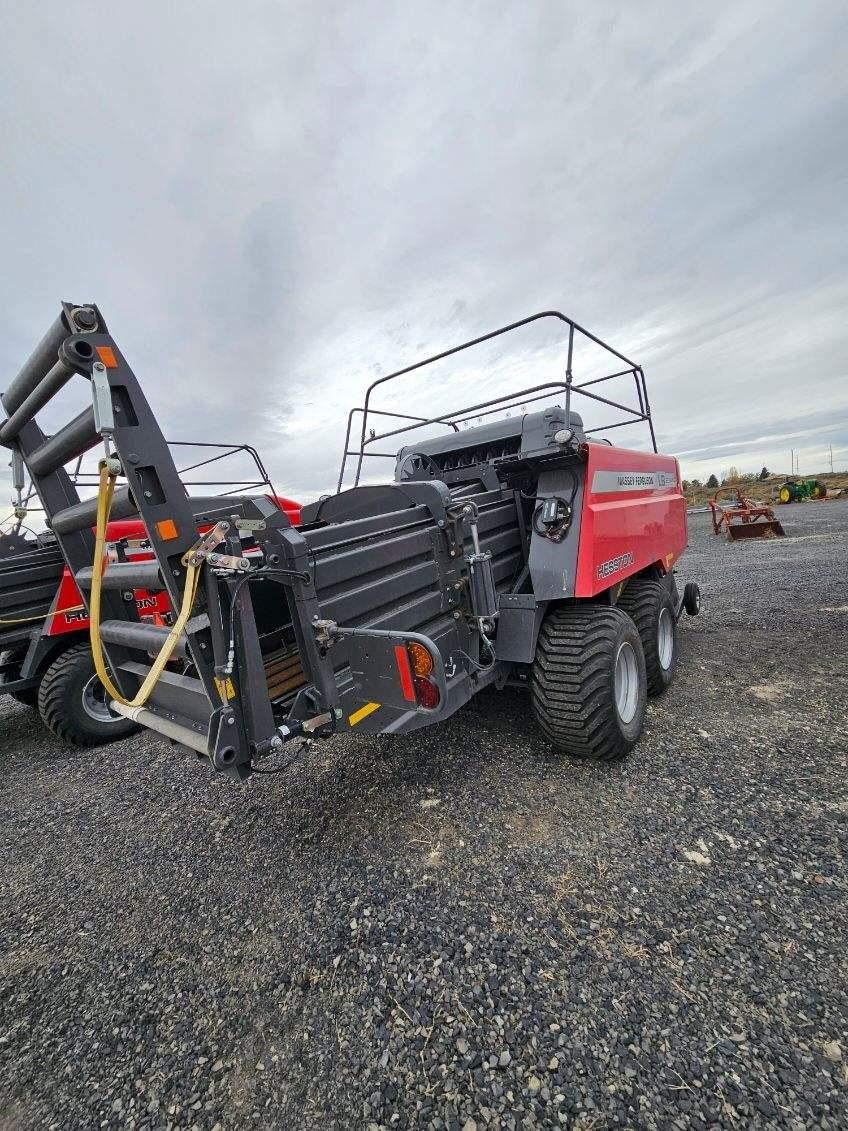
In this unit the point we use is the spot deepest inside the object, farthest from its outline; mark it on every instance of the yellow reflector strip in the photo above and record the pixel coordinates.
(362, 713)
(225, 688)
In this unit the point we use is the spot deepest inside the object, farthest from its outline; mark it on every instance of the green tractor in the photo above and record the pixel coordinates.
(795, 489)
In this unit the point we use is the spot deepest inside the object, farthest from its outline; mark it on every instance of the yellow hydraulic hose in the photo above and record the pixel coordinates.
(43, 616)
(105, 492)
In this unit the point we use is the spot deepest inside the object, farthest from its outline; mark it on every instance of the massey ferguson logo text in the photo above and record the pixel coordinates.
(615, 564)
(605, 481)
(635, 479)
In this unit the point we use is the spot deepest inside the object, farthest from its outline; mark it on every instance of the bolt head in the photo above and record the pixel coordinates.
(85, 318)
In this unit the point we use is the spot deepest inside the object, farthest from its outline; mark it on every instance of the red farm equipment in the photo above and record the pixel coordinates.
(742, 517)
(45, 654)
(520, 550)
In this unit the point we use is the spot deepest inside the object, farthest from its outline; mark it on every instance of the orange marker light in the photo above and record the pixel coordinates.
(166, 529)
(107, 356)
(422, 661)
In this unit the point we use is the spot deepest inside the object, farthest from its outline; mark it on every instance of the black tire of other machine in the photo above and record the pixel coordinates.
(69, 702)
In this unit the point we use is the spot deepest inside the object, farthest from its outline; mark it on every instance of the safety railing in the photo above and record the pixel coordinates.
(508, 401)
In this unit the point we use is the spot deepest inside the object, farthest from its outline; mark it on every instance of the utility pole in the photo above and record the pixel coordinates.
(830, 446)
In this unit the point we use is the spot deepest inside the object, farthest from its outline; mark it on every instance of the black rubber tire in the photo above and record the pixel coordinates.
(821, 489)
(572, 683)
(648, 601)
(791, 489)
(691, 598)
(60, 702)
(28, 697)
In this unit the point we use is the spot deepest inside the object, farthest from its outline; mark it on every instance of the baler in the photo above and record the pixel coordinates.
(519, 550)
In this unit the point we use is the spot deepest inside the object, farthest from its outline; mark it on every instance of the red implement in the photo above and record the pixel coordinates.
(744, 518)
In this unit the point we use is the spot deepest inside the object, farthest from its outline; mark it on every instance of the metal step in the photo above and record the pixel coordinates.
(124, 575)
(141, 636)
(68, 443)
(182, 695)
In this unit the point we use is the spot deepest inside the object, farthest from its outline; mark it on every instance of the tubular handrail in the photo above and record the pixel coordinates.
(237, 486)
(643, 413)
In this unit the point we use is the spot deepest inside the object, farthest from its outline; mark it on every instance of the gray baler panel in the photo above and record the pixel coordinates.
(400, 576)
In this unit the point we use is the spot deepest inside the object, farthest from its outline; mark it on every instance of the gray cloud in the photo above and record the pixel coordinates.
(271, 205)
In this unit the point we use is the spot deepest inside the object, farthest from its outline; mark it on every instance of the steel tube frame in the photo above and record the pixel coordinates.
(574, 328)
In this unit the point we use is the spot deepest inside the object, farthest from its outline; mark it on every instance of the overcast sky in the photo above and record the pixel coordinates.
(272, 203)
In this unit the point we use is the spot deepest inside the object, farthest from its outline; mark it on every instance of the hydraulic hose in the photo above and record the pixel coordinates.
(106, 490)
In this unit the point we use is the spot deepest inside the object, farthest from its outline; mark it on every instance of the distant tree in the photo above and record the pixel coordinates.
(686, 484)
(764, 474)
(695, 483)
(712, 482)
(733, 475)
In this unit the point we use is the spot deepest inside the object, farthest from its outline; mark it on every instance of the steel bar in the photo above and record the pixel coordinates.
(37, 366)
(76, 437)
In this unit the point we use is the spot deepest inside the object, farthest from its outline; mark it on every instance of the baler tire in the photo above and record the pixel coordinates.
(573, 681)
(29, 696)
(648, 603)
(68, 707)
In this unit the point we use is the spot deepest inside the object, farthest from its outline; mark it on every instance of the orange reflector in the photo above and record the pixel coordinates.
(422, 661)
(107, 356)
(166, 529)
(402, 661)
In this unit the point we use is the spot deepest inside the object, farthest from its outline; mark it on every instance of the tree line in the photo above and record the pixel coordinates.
(733, 476)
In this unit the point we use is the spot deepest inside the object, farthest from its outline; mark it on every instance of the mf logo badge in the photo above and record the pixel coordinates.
(605, 569)
(606, 482)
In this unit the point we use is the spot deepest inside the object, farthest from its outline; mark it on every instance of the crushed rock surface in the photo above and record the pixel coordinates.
(457, 929)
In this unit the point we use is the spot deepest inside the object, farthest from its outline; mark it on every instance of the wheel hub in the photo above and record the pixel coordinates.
(626, 682)
(95, 703)
(665, 639)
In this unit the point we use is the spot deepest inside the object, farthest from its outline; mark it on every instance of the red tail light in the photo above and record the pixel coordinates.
(427, 692)
(402, 661)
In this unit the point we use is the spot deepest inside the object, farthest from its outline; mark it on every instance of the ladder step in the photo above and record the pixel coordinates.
(124, 575)
(44, 391)
(83, 515)
(183, 695)
(40, 362)
(69, 442)
(145, 637)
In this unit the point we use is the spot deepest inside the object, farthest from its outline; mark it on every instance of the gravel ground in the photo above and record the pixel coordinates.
(457, 929)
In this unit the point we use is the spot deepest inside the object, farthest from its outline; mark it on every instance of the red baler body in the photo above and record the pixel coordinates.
(633, 516)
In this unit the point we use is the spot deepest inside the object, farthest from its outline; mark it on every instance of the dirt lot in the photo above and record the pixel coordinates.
(457, 929)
